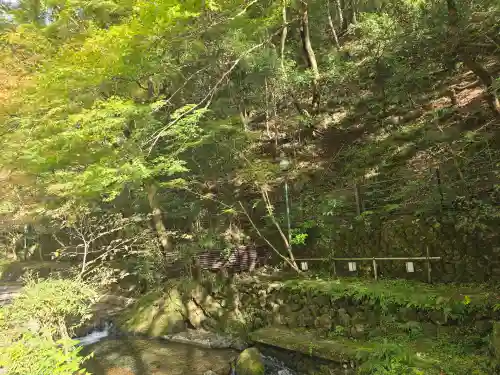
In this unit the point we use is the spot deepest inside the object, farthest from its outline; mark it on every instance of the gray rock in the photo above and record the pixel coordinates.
(207, 339)
(323, 322)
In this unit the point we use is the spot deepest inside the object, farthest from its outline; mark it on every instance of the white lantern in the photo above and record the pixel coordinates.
(352, 266)
(410, 267)
(303, 266)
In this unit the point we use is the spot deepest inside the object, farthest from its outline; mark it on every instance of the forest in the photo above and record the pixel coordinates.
(147, 140)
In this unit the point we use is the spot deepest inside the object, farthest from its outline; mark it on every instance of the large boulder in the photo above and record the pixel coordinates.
(155, 314)
(250, 362)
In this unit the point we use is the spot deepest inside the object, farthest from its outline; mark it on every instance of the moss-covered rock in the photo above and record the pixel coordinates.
(156, 314)
(306, 342)
(250, 362)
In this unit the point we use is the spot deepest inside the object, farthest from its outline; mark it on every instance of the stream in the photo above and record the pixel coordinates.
(131, 355)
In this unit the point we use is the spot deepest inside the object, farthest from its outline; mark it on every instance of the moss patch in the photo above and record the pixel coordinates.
(250, 363)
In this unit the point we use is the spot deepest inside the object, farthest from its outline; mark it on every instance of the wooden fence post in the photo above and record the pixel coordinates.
(429, 280)
(375, 273)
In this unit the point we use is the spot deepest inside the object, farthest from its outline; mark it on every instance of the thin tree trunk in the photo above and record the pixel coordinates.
(309, 53)
(161, 231)
(339, 12)
(354, 9)
(268, 131)
(291, 262)
(343, 20)
(283, 41)
(461, 49)
(332, 27)
(84, 261)
(36, 12)
(283, 36)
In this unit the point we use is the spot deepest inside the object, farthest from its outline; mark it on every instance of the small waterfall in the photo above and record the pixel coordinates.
(276, 367)
(95, 336)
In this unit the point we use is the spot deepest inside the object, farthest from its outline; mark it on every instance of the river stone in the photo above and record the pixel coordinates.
(322, 300)
(291, 319)
(274, 307)
(278, 319)
(295, 307)
(250, 362)
(344, 318)
(358, 331)
(323, 322)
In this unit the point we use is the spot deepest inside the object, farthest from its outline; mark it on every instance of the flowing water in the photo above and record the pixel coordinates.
(125, 355)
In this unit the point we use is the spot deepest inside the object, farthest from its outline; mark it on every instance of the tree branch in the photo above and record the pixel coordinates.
(294, 266)
(207, 99)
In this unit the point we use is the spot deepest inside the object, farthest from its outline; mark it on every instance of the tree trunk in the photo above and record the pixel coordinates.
(84, 261)
(283, 36)
(343, 20)
(332, 27)
(339, 12)
(36, 17)
(460, 46)
(309, 53)
(354, 9)
(161, 231)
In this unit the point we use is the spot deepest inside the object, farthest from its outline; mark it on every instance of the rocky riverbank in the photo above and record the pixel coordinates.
(345, 323)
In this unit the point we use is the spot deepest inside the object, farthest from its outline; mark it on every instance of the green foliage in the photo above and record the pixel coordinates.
(389, 359)
(57, 306)
(112, 98)
(35, 328)
(37, 355)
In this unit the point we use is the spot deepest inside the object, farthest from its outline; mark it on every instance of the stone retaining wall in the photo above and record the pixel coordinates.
(256, 303)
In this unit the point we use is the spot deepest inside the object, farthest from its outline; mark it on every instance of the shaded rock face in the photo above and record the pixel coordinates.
(207, 340)
(250, 362)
